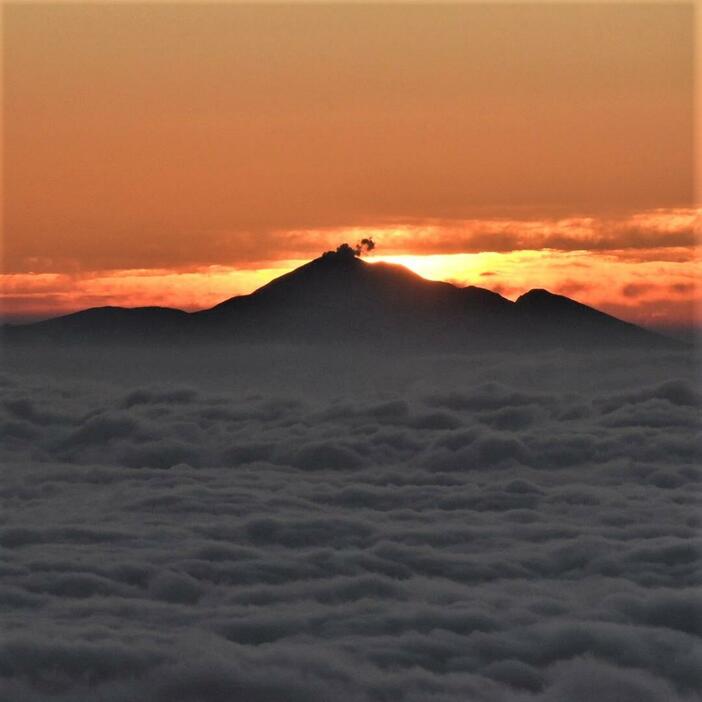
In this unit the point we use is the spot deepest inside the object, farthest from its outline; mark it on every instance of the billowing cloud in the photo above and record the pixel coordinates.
(286, 525)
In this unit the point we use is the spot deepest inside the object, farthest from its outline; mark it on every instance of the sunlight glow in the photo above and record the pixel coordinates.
(460, 269)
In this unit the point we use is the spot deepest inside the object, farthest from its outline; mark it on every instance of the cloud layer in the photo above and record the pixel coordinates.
(280, 527)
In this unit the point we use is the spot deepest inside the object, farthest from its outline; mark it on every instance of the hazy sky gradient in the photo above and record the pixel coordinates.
(175, 137)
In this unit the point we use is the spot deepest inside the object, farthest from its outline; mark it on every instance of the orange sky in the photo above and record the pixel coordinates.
(179, 154)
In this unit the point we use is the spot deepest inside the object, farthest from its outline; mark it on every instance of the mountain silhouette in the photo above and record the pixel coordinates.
(339, 298)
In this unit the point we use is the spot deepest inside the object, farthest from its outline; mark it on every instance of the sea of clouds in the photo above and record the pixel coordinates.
(284, 525)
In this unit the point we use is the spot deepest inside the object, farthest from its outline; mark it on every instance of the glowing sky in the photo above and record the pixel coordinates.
(179, 154)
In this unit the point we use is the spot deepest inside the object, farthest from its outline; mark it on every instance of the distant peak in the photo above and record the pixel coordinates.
(537, 294)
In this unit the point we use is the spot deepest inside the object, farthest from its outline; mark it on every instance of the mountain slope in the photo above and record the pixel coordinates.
(340, 297)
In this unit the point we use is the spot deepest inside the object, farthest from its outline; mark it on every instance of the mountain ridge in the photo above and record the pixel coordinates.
(339, 298)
